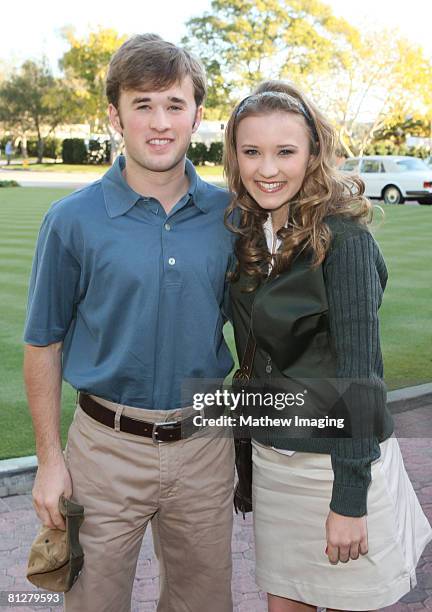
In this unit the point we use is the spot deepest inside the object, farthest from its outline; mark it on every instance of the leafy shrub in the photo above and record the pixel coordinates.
(74, 151)
(215, 153)
(98, 152)
(199, 153)
(388, 147)
(9, 184)
(52, 148)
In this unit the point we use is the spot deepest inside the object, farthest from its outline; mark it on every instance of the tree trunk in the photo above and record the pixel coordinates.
(430, 136)
(345, 145)
(116, 143)
(40, 150)
(24, 145)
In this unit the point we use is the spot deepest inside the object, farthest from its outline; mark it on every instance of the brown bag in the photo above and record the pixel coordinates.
(56, 557)
(242, 441)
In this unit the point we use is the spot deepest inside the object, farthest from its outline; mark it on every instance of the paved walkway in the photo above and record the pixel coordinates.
(67, 180)
(18, 526)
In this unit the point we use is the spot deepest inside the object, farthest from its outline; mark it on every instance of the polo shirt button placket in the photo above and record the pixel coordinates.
(171, 261)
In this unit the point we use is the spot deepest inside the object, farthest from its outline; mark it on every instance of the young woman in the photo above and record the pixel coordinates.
(308, 285)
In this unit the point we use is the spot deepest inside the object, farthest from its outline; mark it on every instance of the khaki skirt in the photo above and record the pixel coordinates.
(291, 497)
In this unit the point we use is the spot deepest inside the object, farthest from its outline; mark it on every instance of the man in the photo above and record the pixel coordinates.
(125, 303)
(9, 151)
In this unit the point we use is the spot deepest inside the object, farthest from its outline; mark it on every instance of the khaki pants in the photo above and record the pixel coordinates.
(184, 488)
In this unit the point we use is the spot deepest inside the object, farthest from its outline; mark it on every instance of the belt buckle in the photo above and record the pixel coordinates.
(160, 424)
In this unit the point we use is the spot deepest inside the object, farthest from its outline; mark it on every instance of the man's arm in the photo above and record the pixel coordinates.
(43, 381)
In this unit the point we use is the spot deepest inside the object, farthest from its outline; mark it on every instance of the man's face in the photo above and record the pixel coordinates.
(157, 125)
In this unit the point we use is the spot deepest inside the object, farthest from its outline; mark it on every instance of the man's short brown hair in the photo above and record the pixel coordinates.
(149, 63)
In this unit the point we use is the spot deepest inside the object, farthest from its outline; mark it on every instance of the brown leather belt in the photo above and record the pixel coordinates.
(169, 431)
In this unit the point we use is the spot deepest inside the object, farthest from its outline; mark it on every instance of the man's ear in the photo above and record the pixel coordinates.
(198, 117)
(114, 118)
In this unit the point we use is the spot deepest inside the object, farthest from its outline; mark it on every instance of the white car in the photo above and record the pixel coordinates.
(393, 178)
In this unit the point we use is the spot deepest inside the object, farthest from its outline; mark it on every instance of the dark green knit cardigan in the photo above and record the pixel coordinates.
(353, 277)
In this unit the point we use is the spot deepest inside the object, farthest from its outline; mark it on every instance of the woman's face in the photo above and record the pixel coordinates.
(273, 152)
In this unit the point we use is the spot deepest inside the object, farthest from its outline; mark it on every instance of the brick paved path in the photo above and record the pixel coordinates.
(18, 526)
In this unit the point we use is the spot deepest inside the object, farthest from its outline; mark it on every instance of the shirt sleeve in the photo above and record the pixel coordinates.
(53, 289)
(355, 278)
(226, 303)
(227, 314)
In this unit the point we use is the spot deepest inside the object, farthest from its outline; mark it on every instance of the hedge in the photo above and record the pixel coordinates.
(98, 152)
(74, 151)
(52, 147)
(387, 147)
(9, 184)
(199, 153)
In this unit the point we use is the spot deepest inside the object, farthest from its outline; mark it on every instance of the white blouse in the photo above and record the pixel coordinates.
(273, 243)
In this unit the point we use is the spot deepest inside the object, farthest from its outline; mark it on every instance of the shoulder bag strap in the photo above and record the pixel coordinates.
(243, 374)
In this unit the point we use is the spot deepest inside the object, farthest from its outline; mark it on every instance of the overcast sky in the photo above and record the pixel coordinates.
(32, 28)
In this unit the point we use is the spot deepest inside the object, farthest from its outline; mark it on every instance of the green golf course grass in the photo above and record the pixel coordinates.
(91, 168)
(406, 314)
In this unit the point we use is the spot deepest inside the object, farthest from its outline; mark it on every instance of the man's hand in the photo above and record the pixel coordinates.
(52, 480)
(43, 380)
(346, 537)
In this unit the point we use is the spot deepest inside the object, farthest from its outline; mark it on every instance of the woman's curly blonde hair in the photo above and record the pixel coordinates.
(324, 191)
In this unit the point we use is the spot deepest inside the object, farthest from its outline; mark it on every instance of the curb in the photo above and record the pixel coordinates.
(408, 398)
(17, 475)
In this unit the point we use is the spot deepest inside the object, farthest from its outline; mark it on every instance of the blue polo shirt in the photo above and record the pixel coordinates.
(135, 295)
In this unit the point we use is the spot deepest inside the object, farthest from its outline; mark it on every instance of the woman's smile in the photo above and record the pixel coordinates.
(273, 187)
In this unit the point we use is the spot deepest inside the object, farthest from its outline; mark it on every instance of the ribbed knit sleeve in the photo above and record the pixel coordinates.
(355, 277)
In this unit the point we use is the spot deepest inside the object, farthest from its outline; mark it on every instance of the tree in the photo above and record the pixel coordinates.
(241, 42)
(383, 80)
(86, 65)
(33, 100)
(6, 69)
(396, 129)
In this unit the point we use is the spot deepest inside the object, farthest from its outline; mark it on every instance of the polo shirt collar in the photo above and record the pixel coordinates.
(197, 188)
(120, 197)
